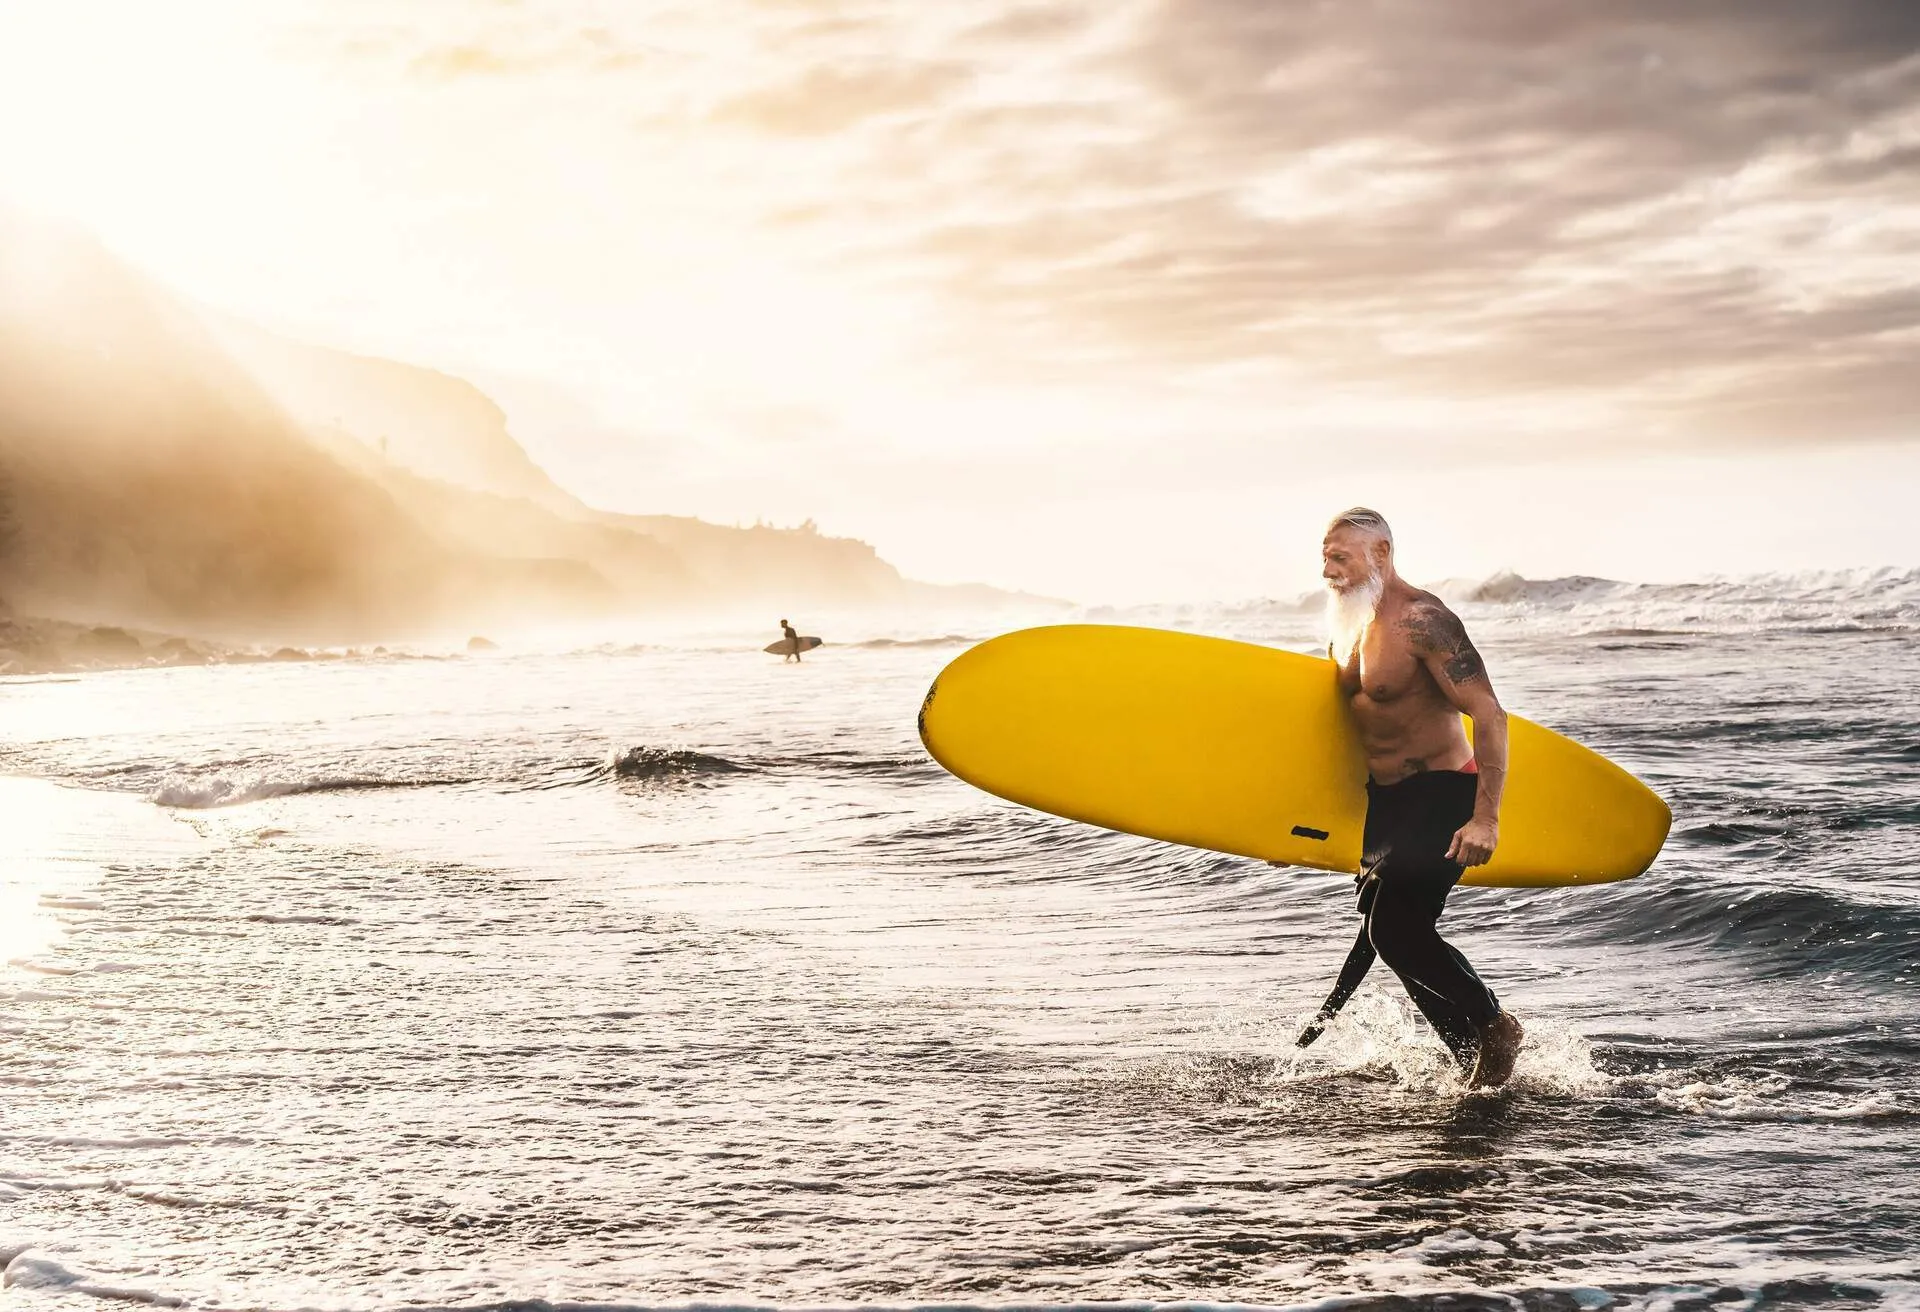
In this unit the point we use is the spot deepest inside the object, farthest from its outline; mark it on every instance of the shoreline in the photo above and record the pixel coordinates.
(35, 645)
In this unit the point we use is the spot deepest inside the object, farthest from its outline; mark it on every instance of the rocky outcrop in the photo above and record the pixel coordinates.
(165, 469)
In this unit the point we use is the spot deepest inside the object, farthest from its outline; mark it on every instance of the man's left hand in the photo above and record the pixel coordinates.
(1474, 843)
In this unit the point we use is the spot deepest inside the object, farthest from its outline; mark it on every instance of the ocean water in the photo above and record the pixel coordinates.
(670, 974)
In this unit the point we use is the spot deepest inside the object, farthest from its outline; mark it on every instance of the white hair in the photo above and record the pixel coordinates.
(1370, 522)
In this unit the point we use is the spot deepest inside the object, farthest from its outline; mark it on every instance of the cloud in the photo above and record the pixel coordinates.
(833, 99)
(1673, 223)
(446, 41)
(1696, 215)
(591, 51)
(449, 62)
(1022, 24)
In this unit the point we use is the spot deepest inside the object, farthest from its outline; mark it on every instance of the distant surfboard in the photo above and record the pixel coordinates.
(785, 646)
(1245, 749)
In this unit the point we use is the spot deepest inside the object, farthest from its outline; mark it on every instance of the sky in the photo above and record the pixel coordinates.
(1114, 300)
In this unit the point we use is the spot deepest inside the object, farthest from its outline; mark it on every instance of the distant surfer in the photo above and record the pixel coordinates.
(793, 642)
(1409, 672)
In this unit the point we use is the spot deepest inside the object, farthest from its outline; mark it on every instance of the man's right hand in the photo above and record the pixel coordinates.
(1473, 844)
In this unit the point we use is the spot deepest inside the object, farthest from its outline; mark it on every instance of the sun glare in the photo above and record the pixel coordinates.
(31, 877)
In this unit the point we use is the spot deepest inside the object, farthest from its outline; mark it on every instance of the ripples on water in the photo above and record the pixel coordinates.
(655, 975)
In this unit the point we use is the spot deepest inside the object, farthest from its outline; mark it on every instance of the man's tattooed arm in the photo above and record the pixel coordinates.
(1444, 648)
(1437, 631)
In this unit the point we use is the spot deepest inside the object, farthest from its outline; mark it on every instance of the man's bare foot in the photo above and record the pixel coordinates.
(1499, 1048)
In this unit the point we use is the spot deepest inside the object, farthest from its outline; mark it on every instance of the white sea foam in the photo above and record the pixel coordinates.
(1449, 1245)
(1767, 1096)
(31, 1272)
(1380, 1031)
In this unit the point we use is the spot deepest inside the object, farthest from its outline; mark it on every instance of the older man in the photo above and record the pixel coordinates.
(1409, 672)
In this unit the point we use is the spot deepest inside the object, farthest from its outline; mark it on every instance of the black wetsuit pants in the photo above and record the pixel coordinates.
(1405, 877)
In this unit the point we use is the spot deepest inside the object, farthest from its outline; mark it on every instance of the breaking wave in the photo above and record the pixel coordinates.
(666, 763)
(207, 792)
(1828, 601)
(1818, 601)
(946, 640)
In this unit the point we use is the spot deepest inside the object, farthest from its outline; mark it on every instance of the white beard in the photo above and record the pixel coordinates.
(1350, 612)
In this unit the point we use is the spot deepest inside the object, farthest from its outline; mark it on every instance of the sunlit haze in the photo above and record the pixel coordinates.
(1108, 301)
(673, 653)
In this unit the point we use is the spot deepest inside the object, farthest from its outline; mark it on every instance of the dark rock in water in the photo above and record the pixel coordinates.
(477, 643)
(179, 651)
(34, 646)
(106, 643)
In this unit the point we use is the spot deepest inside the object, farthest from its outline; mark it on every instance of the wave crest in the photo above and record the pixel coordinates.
(1780, 930)
(646, 762)
(1817, 601)
(208, 792)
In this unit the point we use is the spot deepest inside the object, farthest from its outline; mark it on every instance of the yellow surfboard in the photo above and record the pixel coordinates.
(1245, 749)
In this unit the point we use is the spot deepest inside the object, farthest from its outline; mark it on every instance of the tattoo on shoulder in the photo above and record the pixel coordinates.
(1436, 629)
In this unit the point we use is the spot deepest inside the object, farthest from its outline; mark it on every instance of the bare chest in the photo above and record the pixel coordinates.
(1383, 672)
